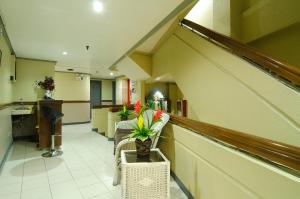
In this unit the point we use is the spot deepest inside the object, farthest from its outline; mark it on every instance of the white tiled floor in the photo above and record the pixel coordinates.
(84, 171)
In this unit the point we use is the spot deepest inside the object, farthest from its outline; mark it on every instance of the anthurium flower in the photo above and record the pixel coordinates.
(137, 107)
(140, 122)
(157, 115)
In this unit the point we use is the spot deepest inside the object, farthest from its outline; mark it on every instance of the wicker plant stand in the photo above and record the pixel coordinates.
(145, 179)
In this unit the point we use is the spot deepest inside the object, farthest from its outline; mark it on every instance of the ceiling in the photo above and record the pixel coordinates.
(42, 29)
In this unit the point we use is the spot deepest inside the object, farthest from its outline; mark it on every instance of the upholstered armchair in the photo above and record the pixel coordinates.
(129, 144)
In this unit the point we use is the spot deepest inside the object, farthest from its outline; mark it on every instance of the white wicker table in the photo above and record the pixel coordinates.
(145, 179)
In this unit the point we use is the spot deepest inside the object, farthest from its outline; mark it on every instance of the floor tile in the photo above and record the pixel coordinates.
(94, 190)
(10, 188)
(38, 193)
(87, 180)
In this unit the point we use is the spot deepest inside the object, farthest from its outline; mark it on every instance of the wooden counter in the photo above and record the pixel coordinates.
(44, 125)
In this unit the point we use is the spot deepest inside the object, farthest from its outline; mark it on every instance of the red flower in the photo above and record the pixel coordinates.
(137, 107)
(157, 115)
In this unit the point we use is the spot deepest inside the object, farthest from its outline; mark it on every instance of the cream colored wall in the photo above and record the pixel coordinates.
(76, 112)
(221, 16)
(143, 60)
(202, 13)
(6, 91)
(7, 63)
(227, 91)
(284, 44)
(265, 17)
(212, 14)
(121, 90)
(212, 171)
(67, 88)
(100, 120)
(29, 71)
(106, 89)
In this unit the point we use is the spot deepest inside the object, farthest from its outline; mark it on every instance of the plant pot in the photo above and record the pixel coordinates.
(143, 148)
(124, 118)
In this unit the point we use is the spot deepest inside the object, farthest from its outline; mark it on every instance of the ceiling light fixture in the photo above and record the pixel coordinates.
(111, 74)
(65, 53)
(98, 6)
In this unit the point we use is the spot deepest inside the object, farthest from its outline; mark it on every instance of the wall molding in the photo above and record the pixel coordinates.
(73, 123)
(75, 101)
(6, 105)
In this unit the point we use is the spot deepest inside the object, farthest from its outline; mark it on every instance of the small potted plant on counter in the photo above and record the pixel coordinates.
(143, 130)
(48, 85)
(124, 113)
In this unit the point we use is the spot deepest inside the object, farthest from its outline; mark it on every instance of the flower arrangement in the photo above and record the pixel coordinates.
(47, 84)
(124, 113)
(142, 131)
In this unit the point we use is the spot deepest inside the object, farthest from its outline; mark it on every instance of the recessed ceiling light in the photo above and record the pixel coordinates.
(98, 6)
(65, 53)
(111, 74)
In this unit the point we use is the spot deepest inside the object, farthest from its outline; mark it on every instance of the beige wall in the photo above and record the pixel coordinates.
(29, 71)
(284, 44)
(227, 91)
(76, 112)
(121, 90)
(6, 92)
(265, 17)
(100, 120)
(143, 60)
(212, 14)
(106, 89)
(7, 64)
(212, 171)
(67, 88)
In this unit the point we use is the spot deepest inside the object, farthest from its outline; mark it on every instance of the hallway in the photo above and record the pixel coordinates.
(84, 171)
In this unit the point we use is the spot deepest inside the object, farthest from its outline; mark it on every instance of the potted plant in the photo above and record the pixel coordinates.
(48, 85)
(143, 132)
(124, 113)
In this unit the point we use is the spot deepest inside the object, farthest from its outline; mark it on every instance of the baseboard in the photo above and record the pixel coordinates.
(182, 187)
(72, 123)
(95, 129)
(5, 156)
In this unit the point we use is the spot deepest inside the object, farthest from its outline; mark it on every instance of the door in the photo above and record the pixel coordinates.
(95, 93)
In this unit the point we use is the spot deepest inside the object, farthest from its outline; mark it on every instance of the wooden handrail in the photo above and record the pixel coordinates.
(282, 69)
(281, 154)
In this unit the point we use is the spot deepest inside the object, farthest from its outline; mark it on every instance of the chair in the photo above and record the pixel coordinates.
(127, 144)
(53, 116)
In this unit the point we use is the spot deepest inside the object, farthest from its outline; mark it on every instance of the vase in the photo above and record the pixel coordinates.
(143, 148)
(48, 94)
